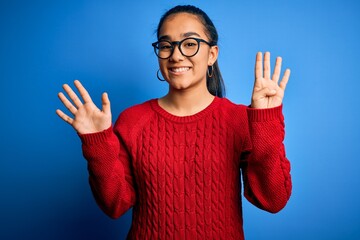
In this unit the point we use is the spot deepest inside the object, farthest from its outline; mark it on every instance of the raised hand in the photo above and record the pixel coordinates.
(87, 117)
(268, 93)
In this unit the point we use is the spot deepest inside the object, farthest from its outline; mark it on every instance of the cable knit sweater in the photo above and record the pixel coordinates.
(182, 175)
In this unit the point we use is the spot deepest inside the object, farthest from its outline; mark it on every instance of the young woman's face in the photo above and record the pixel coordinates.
(183, 72)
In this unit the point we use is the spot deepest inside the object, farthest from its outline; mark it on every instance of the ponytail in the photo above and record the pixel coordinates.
(215, 82)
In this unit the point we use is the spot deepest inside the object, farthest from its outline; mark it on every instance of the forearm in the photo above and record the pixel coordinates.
(267, 173)
(110, 177)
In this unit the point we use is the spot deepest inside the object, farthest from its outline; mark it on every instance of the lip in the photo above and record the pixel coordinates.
(180, 70)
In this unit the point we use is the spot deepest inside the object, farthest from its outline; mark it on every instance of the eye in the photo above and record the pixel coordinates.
(190, 43)
(164, 46)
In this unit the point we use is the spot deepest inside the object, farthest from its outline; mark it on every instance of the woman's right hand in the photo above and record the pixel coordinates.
(88, 118)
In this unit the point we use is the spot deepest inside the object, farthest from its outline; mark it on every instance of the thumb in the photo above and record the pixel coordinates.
(105, 103)
(265, 92)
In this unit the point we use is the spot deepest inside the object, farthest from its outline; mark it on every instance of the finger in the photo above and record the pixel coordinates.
(285, 79)
(267, 65)
(64, 117)
(258, 66)
(72, 95)
(277, 70)
(105, 103)
(83, 92)
(67, 103)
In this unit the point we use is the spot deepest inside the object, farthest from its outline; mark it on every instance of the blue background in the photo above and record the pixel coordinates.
(106, 44)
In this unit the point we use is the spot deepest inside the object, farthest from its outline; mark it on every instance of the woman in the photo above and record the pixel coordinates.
(177, 159)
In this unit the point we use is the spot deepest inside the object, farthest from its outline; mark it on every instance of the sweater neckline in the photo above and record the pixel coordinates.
(182, 119)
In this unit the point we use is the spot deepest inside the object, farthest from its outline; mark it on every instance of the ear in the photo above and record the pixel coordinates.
(213, 55)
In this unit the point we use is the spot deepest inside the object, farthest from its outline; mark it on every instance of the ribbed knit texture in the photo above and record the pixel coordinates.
(182, 175)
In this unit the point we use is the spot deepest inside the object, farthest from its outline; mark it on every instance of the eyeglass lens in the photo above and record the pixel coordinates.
(188, 47)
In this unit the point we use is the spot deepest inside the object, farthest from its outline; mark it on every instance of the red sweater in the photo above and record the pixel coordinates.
(182, 175)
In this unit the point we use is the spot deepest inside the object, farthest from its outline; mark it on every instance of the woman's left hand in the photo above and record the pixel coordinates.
(268, 92)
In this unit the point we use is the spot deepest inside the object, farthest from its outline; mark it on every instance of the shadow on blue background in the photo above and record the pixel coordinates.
(106, 44)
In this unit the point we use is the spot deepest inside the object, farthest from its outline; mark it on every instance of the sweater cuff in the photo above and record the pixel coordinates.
(94, 138)
(264, 114)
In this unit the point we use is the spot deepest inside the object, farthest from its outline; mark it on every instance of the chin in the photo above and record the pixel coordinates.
(184, 86)
(180, 86)
(183, 82)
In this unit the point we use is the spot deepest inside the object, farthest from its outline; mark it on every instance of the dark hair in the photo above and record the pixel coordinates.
(215, 83)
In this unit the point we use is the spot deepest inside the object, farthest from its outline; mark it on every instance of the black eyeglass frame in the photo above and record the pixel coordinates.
(178, 43)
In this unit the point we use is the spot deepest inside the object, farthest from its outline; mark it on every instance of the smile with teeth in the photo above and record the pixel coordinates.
(180, 69)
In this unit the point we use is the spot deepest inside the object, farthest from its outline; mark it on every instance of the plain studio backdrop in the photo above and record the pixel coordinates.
(107, 45)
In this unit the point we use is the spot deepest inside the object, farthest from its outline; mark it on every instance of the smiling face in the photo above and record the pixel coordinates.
(186, 72)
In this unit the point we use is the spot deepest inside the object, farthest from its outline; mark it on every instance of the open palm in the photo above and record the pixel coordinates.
(268, 92)
(88, 118)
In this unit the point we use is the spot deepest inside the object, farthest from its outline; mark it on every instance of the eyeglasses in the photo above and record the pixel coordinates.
(188, 47)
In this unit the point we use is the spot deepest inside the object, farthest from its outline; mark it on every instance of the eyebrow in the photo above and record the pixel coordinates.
(188, 34)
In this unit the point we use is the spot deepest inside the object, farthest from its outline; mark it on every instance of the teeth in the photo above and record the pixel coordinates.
(182, 69)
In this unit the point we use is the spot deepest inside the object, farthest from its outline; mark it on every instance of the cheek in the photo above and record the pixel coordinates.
(201, 63)
(205, 56)
(162, 65)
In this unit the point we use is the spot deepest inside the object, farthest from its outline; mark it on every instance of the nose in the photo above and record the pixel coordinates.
(176, 55)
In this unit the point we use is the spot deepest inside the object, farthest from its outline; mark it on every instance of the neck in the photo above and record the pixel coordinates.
(186, 102)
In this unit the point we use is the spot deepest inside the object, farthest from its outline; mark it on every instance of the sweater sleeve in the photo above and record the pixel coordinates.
(266, 170)
(110, 174)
